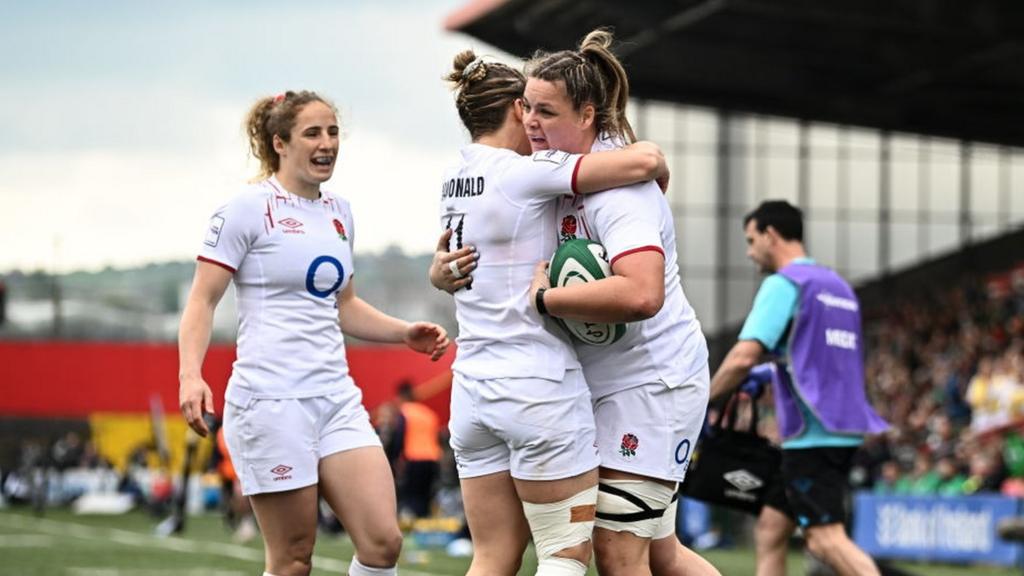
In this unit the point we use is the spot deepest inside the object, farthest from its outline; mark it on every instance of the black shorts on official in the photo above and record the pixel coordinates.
(812, 485)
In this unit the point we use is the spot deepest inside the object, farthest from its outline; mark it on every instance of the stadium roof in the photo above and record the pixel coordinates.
(953, 69)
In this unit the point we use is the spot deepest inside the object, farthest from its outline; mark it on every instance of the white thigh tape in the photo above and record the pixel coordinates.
(667, 527)
(635, 506)
(553, 525)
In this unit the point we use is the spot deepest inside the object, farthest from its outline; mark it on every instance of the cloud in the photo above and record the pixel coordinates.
(127, 75)
(122, 121)
(118, 208)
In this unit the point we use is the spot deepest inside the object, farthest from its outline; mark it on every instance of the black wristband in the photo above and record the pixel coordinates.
(539, 301)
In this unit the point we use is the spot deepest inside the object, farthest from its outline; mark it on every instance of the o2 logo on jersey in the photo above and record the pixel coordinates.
(314, 269)
(682, 451)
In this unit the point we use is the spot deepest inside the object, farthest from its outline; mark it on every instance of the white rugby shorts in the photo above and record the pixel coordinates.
(277, 444)
(651, 429)
(535, 428)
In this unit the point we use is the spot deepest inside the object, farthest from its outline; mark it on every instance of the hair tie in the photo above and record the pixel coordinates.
(468, 70)
(280, 97)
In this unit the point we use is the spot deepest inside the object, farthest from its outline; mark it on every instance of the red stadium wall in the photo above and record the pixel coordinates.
(75, 379)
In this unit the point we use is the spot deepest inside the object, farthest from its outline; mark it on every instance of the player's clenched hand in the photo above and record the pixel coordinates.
(428, 338)
(540, 280)
(195, 399)
(450, 271)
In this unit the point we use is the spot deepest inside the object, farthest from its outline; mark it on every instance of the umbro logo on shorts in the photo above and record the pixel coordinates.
(743, 480)
(281, 472)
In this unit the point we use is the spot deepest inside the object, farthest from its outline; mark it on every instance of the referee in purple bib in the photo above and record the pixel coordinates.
(806, 319)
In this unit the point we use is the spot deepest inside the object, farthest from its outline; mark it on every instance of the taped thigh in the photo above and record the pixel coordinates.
(667, 526)
(634, 506)
(560, 525)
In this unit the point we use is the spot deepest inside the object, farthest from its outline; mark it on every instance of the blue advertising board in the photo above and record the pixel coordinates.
(946, 529)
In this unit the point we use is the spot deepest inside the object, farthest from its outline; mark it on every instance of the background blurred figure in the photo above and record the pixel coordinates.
(417, 432)
(236, 507)
(809, 318)
(385, 422)
(889, 479)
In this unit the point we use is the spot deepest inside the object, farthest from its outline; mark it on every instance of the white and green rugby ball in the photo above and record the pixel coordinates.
(578, 261)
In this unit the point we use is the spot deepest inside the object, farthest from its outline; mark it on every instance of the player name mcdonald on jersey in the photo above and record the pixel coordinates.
(462, 187)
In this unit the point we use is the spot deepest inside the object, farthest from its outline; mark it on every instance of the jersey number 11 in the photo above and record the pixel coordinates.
(457, 235)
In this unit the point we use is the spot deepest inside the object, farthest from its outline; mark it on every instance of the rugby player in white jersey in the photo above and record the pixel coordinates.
(650, 388)
(522, 427)
(294, 420)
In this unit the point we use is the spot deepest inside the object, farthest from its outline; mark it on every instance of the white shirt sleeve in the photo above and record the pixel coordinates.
(545, 175)
(232, 230)
(628, 219)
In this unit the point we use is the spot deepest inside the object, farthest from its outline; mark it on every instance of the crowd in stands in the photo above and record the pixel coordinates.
(946, 368)
(58, 472)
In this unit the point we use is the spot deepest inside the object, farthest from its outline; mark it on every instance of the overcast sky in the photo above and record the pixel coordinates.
(122, 120)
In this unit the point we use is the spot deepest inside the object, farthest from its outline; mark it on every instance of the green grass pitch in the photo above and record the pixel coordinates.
(62, 544)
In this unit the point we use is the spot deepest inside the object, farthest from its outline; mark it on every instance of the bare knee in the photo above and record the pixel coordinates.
(770, 532)
(495, 561)
(615, 557)
(295, 560)
(822, 541)
(381, 550)
(606, 557)
(663, 563)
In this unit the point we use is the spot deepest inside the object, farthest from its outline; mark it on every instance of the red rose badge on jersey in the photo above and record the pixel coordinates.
(568, 228)
(629, 445)
(340, 229)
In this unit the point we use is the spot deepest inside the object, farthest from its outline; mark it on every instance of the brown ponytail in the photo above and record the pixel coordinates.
(592, 74)
(483, 92)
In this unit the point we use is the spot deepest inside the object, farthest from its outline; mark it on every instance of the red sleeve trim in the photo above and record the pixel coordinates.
(575, 174)
(214, 262)
(635, 250)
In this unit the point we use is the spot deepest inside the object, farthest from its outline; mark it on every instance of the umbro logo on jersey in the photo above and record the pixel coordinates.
(291, 226)
(280, 472)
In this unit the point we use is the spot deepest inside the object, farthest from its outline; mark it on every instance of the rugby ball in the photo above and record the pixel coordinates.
(577, 261)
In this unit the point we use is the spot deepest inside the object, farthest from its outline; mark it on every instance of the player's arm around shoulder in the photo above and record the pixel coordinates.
(638, 162)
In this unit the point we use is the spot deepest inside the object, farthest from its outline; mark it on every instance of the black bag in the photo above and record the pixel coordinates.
(733, 468)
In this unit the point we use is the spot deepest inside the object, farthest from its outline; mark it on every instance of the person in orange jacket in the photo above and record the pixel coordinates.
(417, 433)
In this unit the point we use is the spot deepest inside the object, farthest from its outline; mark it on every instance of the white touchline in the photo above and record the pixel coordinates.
(26, 541)
(176, 544)
(84, 571)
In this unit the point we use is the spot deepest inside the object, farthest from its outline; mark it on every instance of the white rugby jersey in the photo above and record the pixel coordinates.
(290, 257)
(503, 204)
(668, 347)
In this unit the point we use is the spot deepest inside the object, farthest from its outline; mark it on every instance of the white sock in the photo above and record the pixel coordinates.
(357, 568)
